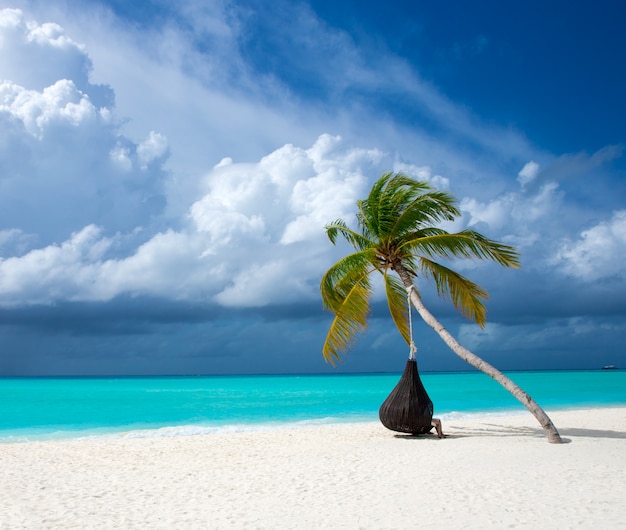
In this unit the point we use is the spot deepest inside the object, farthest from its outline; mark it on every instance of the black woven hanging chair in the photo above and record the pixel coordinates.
(408, 408)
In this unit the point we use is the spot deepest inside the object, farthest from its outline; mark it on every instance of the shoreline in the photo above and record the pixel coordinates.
(199, 429)
(489, 472)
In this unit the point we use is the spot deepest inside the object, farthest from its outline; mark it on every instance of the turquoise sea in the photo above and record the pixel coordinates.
(67, 407)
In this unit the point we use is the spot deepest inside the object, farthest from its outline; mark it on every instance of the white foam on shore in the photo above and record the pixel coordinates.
(176, 430)
(199, 430)
(206, 429)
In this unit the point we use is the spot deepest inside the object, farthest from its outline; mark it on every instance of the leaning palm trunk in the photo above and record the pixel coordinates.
(398, 225)
(533, 407)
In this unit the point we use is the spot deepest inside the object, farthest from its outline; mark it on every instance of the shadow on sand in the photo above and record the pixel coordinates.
(488, 429)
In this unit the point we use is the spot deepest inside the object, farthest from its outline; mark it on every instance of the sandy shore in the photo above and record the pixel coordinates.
(491, 472)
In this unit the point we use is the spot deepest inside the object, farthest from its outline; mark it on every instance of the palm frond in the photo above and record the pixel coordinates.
(465, 244)
(399, 192)
(425, 231)
(425, 210)
(367, 215)
(399, 181)
(398, 204)
(338, 281)
(339, 227)
(463, 293)
(350, 317)
(485, 248)
(398, 305)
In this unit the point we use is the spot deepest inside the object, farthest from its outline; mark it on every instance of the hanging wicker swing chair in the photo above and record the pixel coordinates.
(408, 408)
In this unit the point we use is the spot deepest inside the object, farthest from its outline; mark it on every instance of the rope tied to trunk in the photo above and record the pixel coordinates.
(412, 347)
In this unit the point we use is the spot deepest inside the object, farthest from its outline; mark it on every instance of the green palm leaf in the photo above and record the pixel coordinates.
(346, 292)
(463, 293)
(339, 227)
(340, 278)
(465, 244)
(398, 233)
(398, 305)
(350, 319)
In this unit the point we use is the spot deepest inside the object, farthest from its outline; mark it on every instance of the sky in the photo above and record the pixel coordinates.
(167, 170)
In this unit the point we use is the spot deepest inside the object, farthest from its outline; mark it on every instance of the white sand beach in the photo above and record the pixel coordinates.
(490, 472)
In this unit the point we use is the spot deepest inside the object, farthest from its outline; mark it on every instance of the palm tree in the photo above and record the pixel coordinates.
(398, 232)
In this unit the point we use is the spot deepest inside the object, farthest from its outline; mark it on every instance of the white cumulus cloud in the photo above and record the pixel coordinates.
(256, 237)
(64, 163)
(528, 173)
(57, 106)
(50, 54)
(152, 148)
(513, 210)
(598, 253)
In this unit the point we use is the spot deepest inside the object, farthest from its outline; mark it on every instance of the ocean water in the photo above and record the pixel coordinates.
(58, 408)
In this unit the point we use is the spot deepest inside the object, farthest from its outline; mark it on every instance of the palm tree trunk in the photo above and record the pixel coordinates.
(551, 432)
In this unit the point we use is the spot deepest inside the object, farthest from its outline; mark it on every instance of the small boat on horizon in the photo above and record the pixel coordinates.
(609, 367)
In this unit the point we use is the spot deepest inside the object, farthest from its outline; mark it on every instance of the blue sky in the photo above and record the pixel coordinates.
(167, 168)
